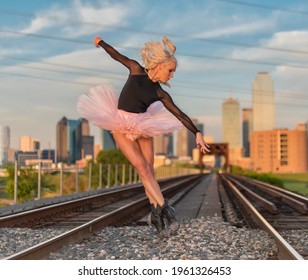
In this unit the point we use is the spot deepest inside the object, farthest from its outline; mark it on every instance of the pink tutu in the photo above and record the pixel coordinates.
(99, 107)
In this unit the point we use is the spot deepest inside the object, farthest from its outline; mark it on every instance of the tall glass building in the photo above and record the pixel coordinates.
(246, 130)
(107, 140)
(4, 144)
(72, 136)
(263, 103)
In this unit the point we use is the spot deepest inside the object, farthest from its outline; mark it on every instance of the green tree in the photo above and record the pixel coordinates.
(104, 158)
(111, 157)
(26, 183)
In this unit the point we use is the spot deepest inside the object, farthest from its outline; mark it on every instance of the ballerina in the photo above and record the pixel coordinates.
(141, 111)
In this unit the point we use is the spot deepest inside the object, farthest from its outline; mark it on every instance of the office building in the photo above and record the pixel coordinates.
(22, 157)
(4, 144)
(263, 103)
(70, 142)
(108, 142)
(88, 146)
(186, 141)
(231, 132)
(279, 151)
(246, 130)
(48, 155)
(29, 144)
(163, 145)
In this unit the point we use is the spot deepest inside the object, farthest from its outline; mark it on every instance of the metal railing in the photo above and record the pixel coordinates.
(94, 176)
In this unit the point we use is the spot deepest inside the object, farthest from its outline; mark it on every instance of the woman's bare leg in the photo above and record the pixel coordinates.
(146, 146)
(139, 154)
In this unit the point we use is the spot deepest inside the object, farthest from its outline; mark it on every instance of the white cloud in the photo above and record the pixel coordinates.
(79, 18)
(237, 29)
(103, 15)
(288, 40)
(38, 24)
(296, 40)
(33, 103)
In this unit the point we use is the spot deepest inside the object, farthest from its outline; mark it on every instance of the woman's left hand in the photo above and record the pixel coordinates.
(201, 144)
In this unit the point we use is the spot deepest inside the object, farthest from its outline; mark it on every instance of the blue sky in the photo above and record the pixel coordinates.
(47, 58)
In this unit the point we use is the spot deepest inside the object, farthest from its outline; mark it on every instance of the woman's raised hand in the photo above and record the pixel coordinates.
(97, 39)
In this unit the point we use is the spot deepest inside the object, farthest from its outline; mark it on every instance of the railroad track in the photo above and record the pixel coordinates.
(273, 209)
(116, 208)
(85, 216)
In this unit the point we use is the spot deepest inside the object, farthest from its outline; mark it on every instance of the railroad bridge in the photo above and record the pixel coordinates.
(217, 149)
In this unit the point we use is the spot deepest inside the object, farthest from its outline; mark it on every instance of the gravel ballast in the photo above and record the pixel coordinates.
(197, 239)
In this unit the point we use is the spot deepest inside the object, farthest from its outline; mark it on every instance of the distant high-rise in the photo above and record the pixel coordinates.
(87, 146)
(4, 144)
(231, 132)
(28, 144)
(108, 142)
(263, 104)
(246, 130)
(163, 144)
(70, 137)
(48, 154)
(186, 141)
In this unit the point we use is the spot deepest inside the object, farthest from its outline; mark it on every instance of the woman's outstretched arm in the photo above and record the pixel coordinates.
(166, 99)
(127, 62)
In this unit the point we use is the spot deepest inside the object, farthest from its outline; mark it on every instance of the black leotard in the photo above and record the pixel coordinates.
(140, 92)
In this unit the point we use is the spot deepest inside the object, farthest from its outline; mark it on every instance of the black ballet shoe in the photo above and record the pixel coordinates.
(168, 213)
(155, 218)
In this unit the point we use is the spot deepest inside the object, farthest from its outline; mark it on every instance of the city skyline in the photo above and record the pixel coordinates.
(48, 59)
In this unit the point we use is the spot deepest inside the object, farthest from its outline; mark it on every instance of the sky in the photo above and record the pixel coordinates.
(48, 60)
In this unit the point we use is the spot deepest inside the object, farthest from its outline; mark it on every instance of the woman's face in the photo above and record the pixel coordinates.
(165, 71)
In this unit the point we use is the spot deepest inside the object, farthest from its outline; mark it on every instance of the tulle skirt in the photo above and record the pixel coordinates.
(99, 107)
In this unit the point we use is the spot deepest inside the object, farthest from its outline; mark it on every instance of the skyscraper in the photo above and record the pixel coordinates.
(186, 141)
(69, 143)
(61, 141)
(108, 142)
(163, 144)
(231, 132)
(4, 143)
(247, 130)
(263, 104)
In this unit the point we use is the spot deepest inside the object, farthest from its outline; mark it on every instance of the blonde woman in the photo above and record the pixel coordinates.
(142, 110)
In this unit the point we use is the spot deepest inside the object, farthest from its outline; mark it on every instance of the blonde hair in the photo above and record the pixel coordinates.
(154, 53)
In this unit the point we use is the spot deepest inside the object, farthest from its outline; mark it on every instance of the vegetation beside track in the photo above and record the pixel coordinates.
(297, 183)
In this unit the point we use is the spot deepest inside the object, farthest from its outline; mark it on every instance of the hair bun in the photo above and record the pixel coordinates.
(169, 45)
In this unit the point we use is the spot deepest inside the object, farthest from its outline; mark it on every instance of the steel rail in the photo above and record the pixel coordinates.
(285, 196)
(72, 236)
(285, 250)
(294, 195)
(31, 215)
(37, 213)
(291, 194)
(269, 206)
